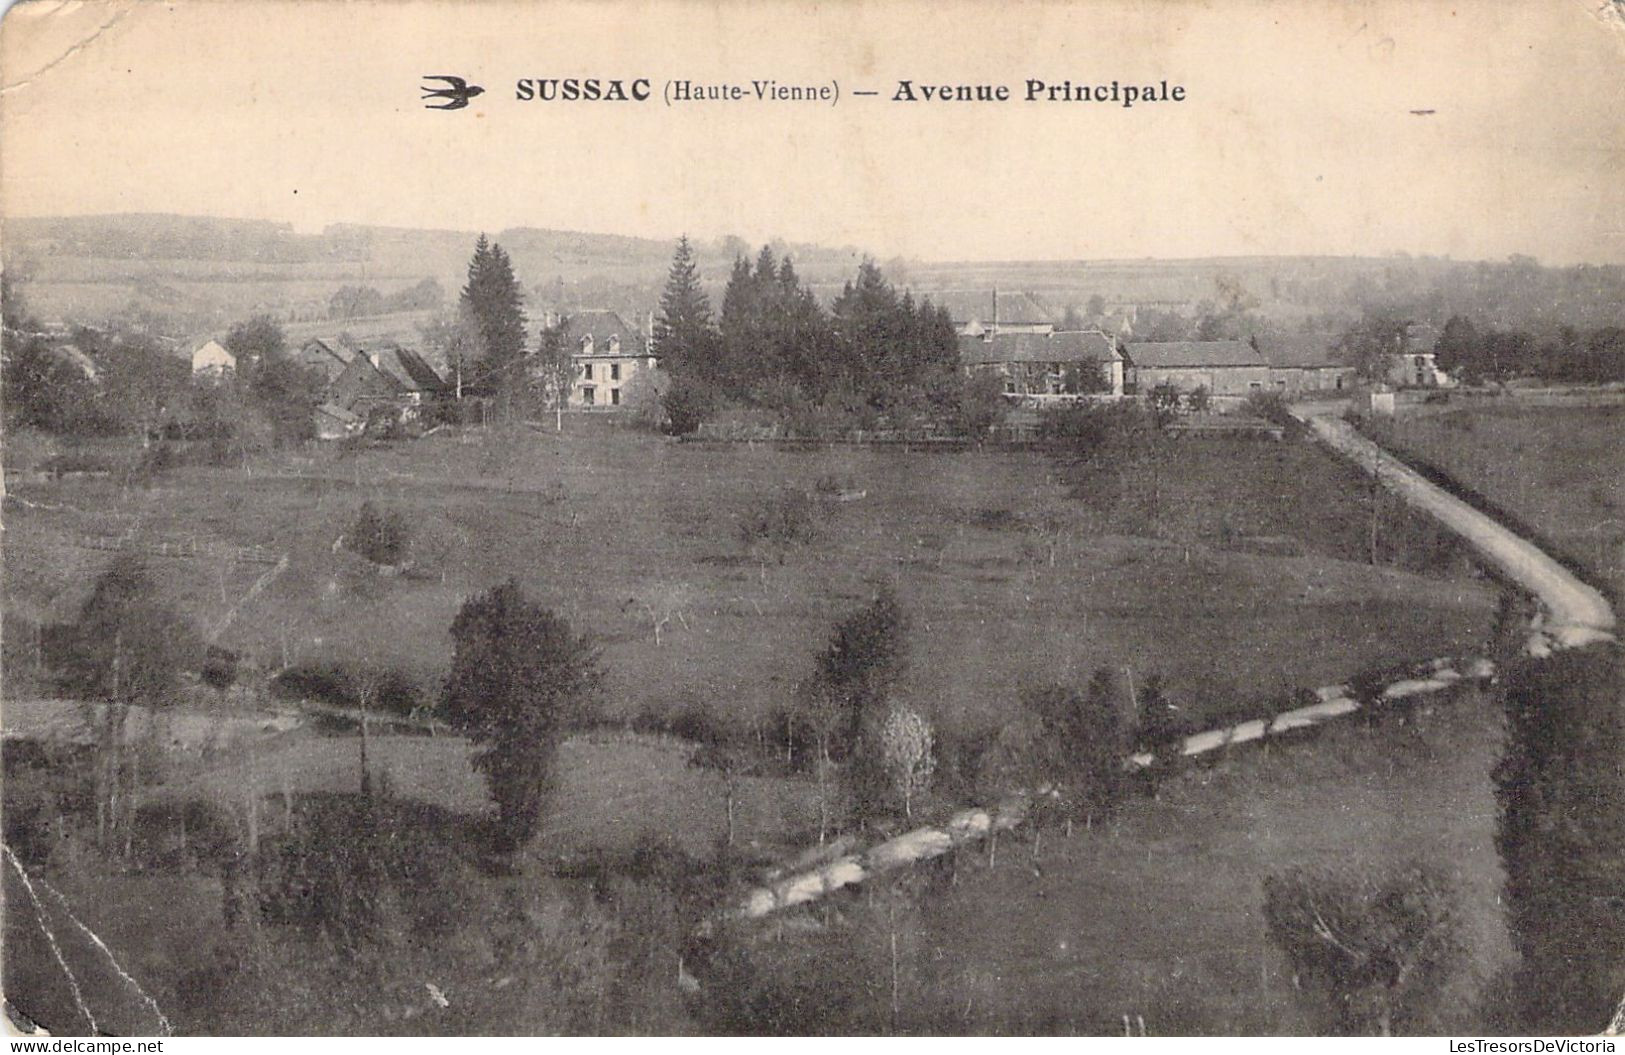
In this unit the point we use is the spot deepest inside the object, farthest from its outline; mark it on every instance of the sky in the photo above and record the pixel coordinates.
(1297, 134)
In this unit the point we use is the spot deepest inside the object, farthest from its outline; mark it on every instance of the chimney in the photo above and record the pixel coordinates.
(995, 320)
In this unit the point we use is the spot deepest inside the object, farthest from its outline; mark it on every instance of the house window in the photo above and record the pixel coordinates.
(588, 395)
(1255, 384)
(614, 371)
(586, 371)
(614, 397)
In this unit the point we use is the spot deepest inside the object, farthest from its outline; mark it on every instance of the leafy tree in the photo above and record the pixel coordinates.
(1457, 345)
(140, 382)
(1374, 955)
(127, 648)
(1159, 728)
(1164, 401)
(1082, 379)
(272, 381)
(684, 339)
(453, 336)
(494, 304)
(689, 402)
(1561, 794)
(1368, 344)
(1199, 400)
(555, 361)
(862, 662)
(45, 391)
(1082, 741)
(520, 680)
(906, 746)
(979, 405)
(352, 302)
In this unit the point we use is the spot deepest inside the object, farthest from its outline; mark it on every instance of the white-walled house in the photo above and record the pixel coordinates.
(210, 359)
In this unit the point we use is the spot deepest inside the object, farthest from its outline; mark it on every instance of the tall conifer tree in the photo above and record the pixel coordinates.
(495, 303)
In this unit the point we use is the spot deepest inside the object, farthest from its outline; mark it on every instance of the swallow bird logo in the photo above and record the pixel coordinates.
(456, 93)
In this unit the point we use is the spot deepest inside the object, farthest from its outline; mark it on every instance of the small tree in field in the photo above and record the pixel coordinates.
(906, 744)
(520, 680)
(863, 660)
(1373, 954)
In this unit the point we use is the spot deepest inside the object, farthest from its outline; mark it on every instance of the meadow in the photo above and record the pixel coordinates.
(1157, 914)
(1558, 470)
(1016, 568)
(1248, 585)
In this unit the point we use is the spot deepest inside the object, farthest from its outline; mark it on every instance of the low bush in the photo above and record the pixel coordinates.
(381, 538)
(788, 518)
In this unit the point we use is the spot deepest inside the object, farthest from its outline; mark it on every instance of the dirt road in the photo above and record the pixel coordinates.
(1575, 614)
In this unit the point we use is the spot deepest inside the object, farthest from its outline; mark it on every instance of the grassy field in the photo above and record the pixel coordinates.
(1158, 914)
(1014, 569)
(1008, 579)
(1559, 469)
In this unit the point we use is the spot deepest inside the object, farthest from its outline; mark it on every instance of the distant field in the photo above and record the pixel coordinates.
(621, 531)
(1559, 469)
(1159, 915)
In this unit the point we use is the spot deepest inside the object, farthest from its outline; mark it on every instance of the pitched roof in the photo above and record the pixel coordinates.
(1193, 353)
(1072, 346)
(336, 347)
(603, 325)
(74, 356)
(1014, 309)
(405, 367)
(338, 413)
(1301, 350)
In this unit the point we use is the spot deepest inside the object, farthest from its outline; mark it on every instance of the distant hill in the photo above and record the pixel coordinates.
(212, 270)
(189, 274)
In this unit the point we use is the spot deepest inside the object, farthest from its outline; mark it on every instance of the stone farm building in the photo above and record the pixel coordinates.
(1305, 363)
(365, 376)
(609, 354)
(1224, 368)
(1040, 366)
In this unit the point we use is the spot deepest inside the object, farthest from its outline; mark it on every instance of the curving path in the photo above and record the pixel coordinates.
(1574, 613)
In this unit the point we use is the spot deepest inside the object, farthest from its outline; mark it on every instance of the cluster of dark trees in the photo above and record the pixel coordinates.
(352, 302)
(1561, 792)
(138, 386)
(874, 351)
(1476, 355)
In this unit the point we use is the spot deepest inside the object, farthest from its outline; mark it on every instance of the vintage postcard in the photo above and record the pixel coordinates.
(696, 518)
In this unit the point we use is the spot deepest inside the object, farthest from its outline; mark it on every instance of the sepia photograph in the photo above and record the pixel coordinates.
(862, 518)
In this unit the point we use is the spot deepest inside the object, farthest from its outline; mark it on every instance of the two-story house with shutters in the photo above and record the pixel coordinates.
(609, 354)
